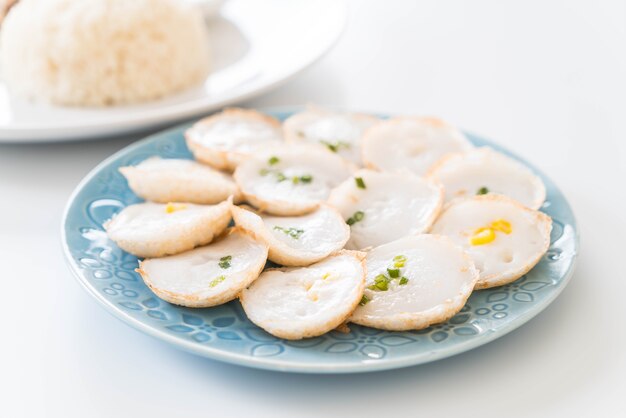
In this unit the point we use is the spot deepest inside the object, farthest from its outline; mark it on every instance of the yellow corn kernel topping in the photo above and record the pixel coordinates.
(173, 207)
(502, 226)
(482, 236)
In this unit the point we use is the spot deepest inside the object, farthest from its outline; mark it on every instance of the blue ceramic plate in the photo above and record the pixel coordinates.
(224, 333)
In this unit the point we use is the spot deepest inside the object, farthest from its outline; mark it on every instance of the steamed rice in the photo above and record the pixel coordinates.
(103, 52)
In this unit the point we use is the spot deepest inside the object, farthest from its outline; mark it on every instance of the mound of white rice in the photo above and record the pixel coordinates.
(103, 52)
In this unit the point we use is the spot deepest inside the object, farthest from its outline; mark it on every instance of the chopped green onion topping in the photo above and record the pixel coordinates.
(225, 261)
(393, 273)
(273, 160)
(382, 286)
(332, 147)
(381, 282)
(335, 146)
(307, 178)
(357, 217)
(294, 233)
(217, 281)
(359, 182)
(380, 278)
(398, 261)
(364, 300)
(482, 190)
(280, 176)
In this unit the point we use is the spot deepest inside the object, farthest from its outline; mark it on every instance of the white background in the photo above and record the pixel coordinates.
(545, 78)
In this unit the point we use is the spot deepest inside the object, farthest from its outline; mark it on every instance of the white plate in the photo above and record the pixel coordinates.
(257, 45)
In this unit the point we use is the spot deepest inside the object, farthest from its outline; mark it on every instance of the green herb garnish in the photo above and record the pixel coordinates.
(225, 261)
(357, 217)
(273, 160)
(398, 261)
(482, 190)
(280, 176)
(364, 300)
(359, 182)
(307, 178)
(335, 146)
(217, 281)
(381, 278)
(381, 282)
(393, 273)
(294, 233)
(332, 147)
(384, 286)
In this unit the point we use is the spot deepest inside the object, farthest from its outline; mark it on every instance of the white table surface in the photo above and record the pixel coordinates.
(546, 79)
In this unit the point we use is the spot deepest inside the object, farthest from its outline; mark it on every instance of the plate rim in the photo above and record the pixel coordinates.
(289, 365)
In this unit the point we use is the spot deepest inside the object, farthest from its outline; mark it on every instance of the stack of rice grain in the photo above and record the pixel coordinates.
(103, 52)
